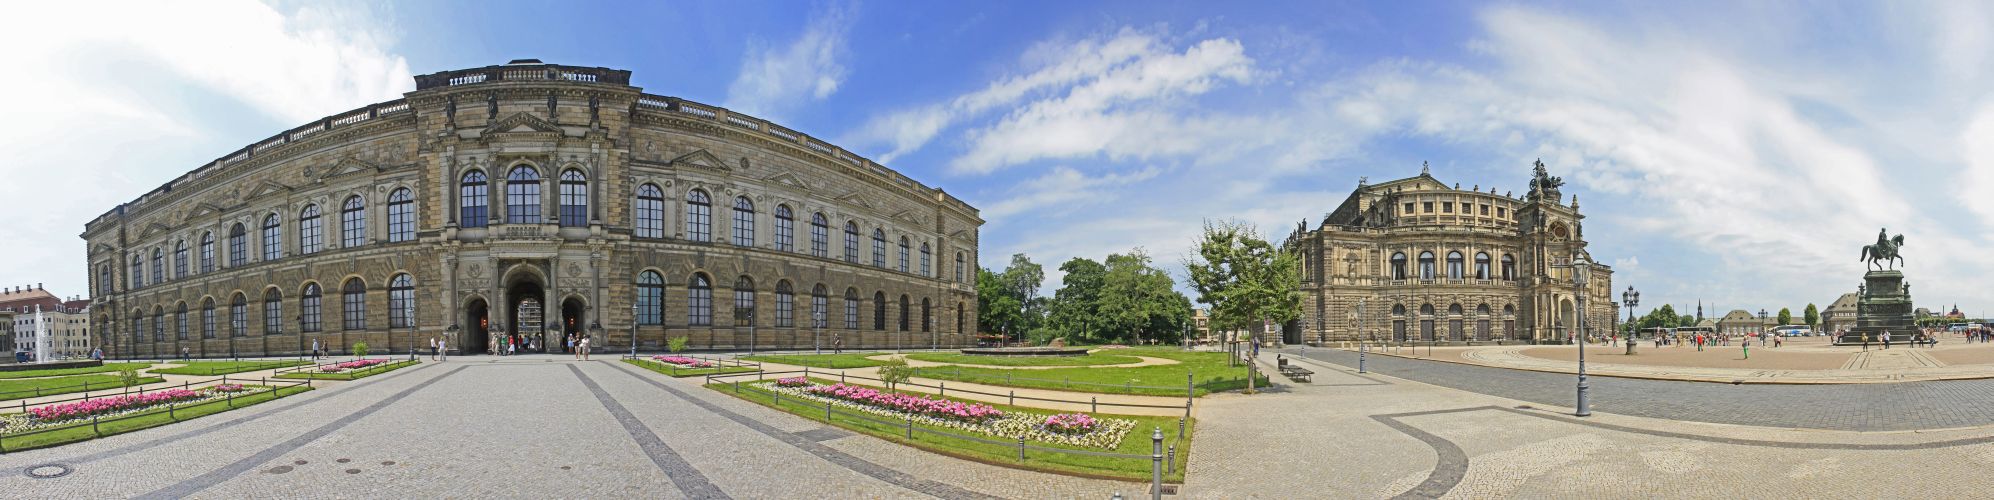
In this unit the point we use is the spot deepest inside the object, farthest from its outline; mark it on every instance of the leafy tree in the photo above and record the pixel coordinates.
(895, 372)
(1785, 316)
(359, 349)
(996, 310)
(1139, 301)
(1244, 279)
(1008, 302)
(1074, 306)
(1812, 315)
(676, 344)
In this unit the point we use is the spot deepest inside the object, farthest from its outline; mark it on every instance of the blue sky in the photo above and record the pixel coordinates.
(1738, 155)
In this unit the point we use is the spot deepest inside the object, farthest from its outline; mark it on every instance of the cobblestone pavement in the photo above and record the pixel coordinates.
(527, 426)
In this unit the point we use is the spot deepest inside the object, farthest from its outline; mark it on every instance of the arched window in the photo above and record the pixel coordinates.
(401, 301)
(905, 308)
(401, 216)
(308, 309)
(238, 316)
(180, 321)
(650, 211)
(273, 312)
(1426, 265)
(104, 279)
(207, 319)
(744, 222)
(1455, 265)
(353, 223)
(180, 259)
(852, 242)
(698, 216)
(785, 305)
(925, 257)
(878, 248)
(903, 254)
(207, 252)
(1398, 265)
(852, 308)
(473, 201)
(158, 265)
(785, 229)
(744, 301)
(522, 195)
(820, 305)
(960, 267)
(1481, 265)
(574, 198)
(311, 230)
(650, 298)
(158, 324)
(879, 311)
(273, 238)
(138, 271)
(927, 316)
(820, 236)
(699, 301)
(353, 299)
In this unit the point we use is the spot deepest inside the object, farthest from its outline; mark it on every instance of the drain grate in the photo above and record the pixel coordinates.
(49, 471)
(279, 469)
(1168, 489)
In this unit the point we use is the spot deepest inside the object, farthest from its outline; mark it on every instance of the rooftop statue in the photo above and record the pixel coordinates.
(1884, 250)
(1543, 185)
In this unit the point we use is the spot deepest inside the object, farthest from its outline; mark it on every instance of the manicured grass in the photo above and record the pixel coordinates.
(832, 361)
(675, 371)
(1212, 375)
(1137, 442)
(36, 387)
(138, 421)
(351, 374)
(1088, 360)
(227, 367)
(107, 367)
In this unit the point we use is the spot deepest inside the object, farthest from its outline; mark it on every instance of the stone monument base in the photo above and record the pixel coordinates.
(1884, 306)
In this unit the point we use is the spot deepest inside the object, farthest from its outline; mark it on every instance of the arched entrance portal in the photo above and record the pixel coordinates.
(526, 318)
(573, 322)
(477, 328)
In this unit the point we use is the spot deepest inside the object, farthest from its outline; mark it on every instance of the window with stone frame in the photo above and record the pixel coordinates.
(180, 259)
(309, 307)
(744, 222)
(1426, 265)
(699, 301)
(353, 301)
(311, 230)
(650, 211)
(273, 312)
(878, 248)
(1481, 265)
(353, 222)
(401, 216)
(401, 301)
(650, 298)
(473, 200)
(238, 316)
(820, 236)
(819, 307)
(744, 301)
(574, 199)
(273, 237)
(207, 252)
(698, 216)
(522, 196)
(852, 242)
(785, 229)
(851, 308)
(785, 305)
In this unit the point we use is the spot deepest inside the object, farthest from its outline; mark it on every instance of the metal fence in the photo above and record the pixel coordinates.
(172, 409)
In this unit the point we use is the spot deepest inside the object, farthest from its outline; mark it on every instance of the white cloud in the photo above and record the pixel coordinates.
(1063, 190)
(113, 91)
(774, 79)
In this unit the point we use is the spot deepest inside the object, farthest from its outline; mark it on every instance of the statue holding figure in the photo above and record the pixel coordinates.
(1884, 250)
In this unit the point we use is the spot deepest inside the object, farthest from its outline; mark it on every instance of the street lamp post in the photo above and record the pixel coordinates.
(1631, 299)
(1581, 270)
(817, 330)
(634, 311)
(408, 314)
(1362, 345)
(1762, 325)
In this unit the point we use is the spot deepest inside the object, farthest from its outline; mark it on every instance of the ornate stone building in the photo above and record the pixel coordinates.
(1414, 259)
(534, 200)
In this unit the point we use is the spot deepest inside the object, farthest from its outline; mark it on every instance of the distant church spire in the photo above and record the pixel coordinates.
(1699, 310)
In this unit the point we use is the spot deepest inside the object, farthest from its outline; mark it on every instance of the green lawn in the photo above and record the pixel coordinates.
(137, 421)
(1137, 442)
(351, 374)
(107, 367)
(1088, 360)
(36, 387)
(227, 367)
(1164, 380)
(832, 361)
(676, 371)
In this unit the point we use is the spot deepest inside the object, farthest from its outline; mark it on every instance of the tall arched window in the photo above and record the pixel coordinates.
(208, 318)
(925, 257)
(353, 223)
(273, 238)
(180, 259)
(273, 312)
(473, 200)
(878, 248)
(1426, 265)
(105, 281)
(138, 271)
(785, 305)
(1508, 267)
(903, 254)
(158, 324)
(698, 216)
(879, 311)
(401, 216)
(699, 301)
(1455, 265)
(574, 198)
(927, 316)
(785, 229)
(905, 307)
(180, 321)
(650, 298)
(852, 308)
(207, 252)
(820, 236)
(960, 267)
(353, 300)
(744, 301)
(308, 309)
(1481, 265)
(744, 222)
(820, 305)
(311, 230)
(238, 316)
(158, 265)
(1398, 265)
(650, 211)
(401, 301)
(852, 242)
(522, 195)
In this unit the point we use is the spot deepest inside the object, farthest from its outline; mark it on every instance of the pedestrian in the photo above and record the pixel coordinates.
(1777, 341)
(443, 349)
(572, 346)
(838, 343)
(1886, 339)
(184, 353)
(1699, 342)
(511, 348)
(583, 346)
(315, 351)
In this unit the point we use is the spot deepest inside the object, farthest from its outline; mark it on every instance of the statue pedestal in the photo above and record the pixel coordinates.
(1885, 306)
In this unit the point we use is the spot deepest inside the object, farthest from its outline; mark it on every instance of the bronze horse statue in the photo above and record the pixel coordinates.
(1884, 250)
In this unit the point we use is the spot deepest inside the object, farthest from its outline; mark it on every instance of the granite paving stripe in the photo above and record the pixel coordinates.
(211, 478)
(1451, 464)
(688, 479)
(876, 471)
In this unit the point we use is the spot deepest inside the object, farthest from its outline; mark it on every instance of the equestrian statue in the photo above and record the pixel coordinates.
(1884, 250)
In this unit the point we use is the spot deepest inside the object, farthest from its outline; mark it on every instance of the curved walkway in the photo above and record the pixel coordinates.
(1146, 361)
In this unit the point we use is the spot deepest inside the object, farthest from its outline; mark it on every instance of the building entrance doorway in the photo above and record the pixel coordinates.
(526, 317)
(572, 321)
(477, 331)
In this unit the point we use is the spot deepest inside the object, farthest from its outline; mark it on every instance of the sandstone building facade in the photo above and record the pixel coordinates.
(532, 201)
(1414, 259)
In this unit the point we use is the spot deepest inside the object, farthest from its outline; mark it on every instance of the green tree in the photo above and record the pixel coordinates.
(1074, 305)
(1244, 279)
(1008, 302)
(1811, 315)
(1139, 301)
(1785, 316)
(996, 310)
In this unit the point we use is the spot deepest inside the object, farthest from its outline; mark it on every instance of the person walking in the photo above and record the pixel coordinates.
(511, 347)
(583, 346)
(1886, 339)
(838, 343)
(574, 346)
(443, 349)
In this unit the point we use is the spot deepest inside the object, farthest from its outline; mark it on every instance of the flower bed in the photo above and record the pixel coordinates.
(1104, 433)
(228, 388)
(684, 362)
(1071, 423)
(349, 365)
(111, 406)
(793, 382)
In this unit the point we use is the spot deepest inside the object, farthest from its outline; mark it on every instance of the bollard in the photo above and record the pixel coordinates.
(1095, 402)
(737, 387)
(169, 413)
(1156, 464)
(1021, 449)
(1180, 429)
(777, 399)
(1172, 459)
(1190, 385)
(827, 412)
(1361, 349)
(93, 426)
(910, 428)
(231, 399)
(944, 386)
(1013, 401)
(841, 376)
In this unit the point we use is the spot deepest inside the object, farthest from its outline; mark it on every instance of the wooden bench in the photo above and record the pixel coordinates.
(1295, 373)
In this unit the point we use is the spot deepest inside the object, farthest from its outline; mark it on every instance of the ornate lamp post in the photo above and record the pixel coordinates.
(1362, 345)
(408, 314)
(1581, 271)
(1762, 324)
(817, 330)
(1631, 299)
(634, 312)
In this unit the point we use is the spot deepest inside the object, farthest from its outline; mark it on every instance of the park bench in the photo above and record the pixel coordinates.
(1295, 373)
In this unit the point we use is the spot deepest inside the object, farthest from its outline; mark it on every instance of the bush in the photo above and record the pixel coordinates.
(128, 375)
(676, 344)
(895, 372)
(359, 349)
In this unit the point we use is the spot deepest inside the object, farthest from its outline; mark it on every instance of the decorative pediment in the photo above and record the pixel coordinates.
(855, 198)
(909, 216)
(205, 208)
(521, 123)
(261, 189)
(701, 159)
(789, 179)
(153, 229)
(347, 166)
(960, 233)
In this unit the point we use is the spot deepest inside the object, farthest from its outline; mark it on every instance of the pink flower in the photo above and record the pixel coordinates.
(110, 404)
